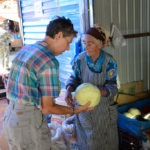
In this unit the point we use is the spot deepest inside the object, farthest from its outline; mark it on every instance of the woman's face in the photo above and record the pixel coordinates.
(91, 45)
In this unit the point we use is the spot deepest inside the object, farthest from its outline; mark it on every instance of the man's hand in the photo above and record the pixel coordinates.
(84, 108)
(69, 98)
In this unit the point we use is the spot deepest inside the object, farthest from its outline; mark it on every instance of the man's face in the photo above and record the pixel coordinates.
(63, 43)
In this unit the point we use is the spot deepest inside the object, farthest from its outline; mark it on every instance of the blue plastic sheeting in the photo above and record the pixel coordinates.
(35, 19)
(133, 126)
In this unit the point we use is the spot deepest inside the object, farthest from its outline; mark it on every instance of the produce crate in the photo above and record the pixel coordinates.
(131, 88)
(133, 126)
(128, 141)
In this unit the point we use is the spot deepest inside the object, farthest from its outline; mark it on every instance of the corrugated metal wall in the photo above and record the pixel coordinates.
(130, 16)
(36, 14)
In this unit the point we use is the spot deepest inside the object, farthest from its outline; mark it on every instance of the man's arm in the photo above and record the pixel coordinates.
(48, 107)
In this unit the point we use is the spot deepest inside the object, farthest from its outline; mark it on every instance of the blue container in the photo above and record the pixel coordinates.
(133, 126)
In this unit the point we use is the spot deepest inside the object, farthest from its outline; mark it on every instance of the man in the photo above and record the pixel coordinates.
(5, 38)
(32, 86)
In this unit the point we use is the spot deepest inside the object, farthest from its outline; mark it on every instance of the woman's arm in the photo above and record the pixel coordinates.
(110, 86)
(73, 81)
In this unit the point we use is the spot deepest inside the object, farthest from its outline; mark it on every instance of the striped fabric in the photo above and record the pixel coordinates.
(34, 73)
(111, 71)
(97, 129)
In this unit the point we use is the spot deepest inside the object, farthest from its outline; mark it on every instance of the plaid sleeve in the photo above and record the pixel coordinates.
(49, 82)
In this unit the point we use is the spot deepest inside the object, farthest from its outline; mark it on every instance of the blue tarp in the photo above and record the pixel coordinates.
(133, 126)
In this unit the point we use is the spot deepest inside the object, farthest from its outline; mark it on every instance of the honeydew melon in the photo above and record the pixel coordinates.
(87, 92)
(147, 116)
(129, 115)
(134, 111)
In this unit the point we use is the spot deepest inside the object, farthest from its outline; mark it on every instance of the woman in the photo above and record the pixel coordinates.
(97, 129)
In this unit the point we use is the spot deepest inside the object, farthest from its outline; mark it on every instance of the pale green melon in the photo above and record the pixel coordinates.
(87, 92)
(134, 111)
(129, 115)
(147, 116)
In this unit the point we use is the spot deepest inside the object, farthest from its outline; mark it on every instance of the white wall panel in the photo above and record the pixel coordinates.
(35, 20)
(131, 17)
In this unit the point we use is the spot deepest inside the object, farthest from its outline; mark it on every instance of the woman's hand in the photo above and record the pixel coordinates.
(68, 97)
(103, 92)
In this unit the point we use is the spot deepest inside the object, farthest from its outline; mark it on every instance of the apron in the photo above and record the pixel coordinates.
(97, 129)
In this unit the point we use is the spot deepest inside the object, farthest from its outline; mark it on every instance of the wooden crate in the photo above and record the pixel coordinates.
(131, 88)
(123, 99)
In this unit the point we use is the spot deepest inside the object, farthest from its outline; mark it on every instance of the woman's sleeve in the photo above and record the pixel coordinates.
(111, 78)
(75, 78)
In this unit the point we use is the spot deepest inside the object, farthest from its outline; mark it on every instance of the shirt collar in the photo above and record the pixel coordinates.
(44, 44)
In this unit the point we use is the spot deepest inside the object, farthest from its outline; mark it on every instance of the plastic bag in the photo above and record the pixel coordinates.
(57, 137)
(118, 40)
(68, 128)
(67, 125)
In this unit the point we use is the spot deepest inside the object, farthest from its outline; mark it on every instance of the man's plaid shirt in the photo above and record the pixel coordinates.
(34, 73)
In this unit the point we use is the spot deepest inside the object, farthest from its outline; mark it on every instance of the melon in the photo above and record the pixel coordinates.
(147, 116)
(87, 92)
(134, 111)
(129, 115)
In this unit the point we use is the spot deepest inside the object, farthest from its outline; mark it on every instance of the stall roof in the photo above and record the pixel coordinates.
(9, 9)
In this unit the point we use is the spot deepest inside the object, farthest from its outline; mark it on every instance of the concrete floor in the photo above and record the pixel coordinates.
(3, 105)
(3, 142)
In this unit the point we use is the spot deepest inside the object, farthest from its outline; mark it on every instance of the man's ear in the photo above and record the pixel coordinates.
(59, 35)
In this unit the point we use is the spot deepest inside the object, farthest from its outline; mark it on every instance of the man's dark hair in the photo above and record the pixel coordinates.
(60, 24)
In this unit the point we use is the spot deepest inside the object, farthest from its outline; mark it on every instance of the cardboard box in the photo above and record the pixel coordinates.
(17, 43)
(131, 88)
(123, 99)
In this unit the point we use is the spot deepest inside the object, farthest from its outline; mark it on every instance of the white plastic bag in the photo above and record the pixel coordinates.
(57, 138)
(67, 125)
(68, 128)
(118, 40)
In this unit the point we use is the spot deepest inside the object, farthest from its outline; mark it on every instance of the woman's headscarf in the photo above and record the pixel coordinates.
(100, 34)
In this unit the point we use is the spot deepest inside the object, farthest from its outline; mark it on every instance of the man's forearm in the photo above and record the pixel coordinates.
(58, 109)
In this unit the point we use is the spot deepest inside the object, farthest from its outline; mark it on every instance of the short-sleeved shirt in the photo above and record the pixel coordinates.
(34, 73)
(111, 71)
